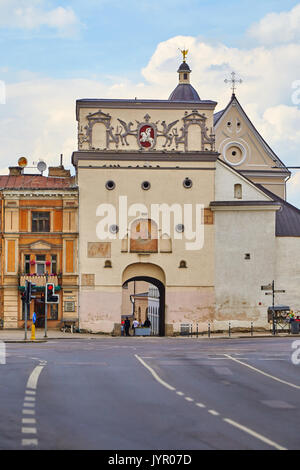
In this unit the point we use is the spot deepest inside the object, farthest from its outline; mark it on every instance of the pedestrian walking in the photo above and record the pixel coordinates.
(127, 326)
(135, 325)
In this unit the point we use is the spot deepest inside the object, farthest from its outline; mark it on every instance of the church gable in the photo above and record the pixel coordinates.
(231, 186)
(239, 142)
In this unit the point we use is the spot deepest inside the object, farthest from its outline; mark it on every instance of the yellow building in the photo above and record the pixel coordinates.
(39, 231)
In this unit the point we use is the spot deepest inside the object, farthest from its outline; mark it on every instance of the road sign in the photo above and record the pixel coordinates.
(34, 318)
(268, 287)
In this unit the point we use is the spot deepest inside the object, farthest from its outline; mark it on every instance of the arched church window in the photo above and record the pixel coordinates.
(144, 236)
(238, 191)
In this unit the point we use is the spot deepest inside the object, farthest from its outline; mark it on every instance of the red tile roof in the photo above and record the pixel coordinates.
(36, 182)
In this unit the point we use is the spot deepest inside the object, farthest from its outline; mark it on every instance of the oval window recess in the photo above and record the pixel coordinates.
(110, 185)
(107, 264)
(179, 228)
(182, 264)
(187, 183)
(113, 229)
(146, 185)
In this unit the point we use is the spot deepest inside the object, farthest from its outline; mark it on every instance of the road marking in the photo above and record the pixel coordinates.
(28, 412)
(29, 405)
(262, 372)
(254, 434)
(34, 377)
(28, 420)
(214, 412)
(29, 442)
(162, 382)
(29, 430)
(29, 402)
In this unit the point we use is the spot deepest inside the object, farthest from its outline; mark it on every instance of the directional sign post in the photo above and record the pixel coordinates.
(271, 287)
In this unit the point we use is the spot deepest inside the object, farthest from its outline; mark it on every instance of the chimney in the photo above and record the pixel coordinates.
(59, 171)
(15, 171)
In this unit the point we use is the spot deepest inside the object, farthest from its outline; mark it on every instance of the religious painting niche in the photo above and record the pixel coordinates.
(99, 136)
(144, 236)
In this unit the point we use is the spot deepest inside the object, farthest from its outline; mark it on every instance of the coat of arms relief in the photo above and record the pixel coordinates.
(146, 133)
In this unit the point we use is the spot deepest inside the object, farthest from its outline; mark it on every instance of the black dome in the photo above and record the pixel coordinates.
(184, 92)
(184, 67)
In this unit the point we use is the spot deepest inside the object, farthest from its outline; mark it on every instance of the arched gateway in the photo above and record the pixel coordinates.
(152, 274)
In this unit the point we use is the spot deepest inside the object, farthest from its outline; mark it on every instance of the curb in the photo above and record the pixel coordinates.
(24, 341)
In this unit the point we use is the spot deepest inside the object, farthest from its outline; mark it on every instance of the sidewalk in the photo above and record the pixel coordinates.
(17, 336)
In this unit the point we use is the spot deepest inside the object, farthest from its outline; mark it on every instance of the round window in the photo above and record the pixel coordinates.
(110, 185)
(113, 229)
(146, 185)
(187, 183)
(179, 228)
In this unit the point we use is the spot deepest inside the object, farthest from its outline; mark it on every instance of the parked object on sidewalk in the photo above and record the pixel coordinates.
(278, 315)
(295, 326)
(141, 331)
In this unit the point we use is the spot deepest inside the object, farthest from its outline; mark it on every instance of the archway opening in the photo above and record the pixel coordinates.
(143, 297)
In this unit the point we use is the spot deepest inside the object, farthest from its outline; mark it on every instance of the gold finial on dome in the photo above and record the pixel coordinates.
(184, 53)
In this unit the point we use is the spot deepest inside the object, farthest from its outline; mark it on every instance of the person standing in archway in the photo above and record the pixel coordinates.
(127, 326)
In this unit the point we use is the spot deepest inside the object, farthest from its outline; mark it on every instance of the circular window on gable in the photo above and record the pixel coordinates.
(234, 153)
(187, 183)
(110, 185)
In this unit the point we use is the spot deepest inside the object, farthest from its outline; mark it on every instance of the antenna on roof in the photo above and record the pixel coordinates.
(61, 159)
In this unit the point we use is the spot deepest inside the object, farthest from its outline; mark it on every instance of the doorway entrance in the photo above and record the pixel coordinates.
(143, 298)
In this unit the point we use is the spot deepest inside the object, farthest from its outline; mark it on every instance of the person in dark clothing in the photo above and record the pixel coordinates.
(147, 323)
(127, 326)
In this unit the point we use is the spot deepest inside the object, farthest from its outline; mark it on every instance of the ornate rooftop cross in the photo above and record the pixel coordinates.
(234, 81)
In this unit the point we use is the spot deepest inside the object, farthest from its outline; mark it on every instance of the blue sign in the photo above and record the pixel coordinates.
(34, 318)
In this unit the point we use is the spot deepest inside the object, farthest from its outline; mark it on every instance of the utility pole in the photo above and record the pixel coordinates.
(46, 305)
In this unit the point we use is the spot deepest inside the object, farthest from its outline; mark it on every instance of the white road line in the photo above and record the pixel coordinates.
(28, 421)
(29, 430)
(29, 398)
(29, 442)
(34, 377)
(180, 394)
(263, 373)
(213, 412)
(254, 434)
(29, 405)
(189, 399)
(201, 405)
(162, 382)
(30, 392)
(28, 412)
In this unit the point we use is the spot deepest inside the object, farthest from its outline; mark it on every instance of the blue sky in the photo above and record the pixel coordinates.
(118, 37)
(55, 51)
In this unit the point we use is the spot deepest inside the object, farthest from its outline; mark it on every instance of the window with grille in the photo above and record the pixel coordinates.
(40, 221)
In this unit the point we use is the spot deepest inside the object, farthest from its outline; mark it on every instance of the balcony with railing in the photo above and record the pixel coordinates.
(40, 280)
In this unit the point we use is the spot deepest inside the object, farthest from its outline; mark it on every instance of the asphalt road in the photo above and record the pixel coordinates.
(150, 393)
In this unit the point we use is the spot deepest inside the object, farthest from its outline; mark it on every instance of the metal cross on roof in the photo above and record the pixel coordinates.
(233, 80)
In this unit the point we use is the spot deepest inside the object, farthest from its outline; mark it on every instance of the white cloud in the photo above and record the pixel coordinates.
(274, 28)
(39, 117)
(32, 15)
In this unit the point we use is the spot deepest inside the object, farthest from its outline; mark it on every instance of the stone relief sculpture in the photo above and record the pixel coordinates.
(147, 132)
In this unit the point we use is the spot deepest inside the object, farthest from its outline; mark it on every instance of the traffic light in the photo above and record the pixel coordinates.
(51, 298)
(24, 297)
(31, 290)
